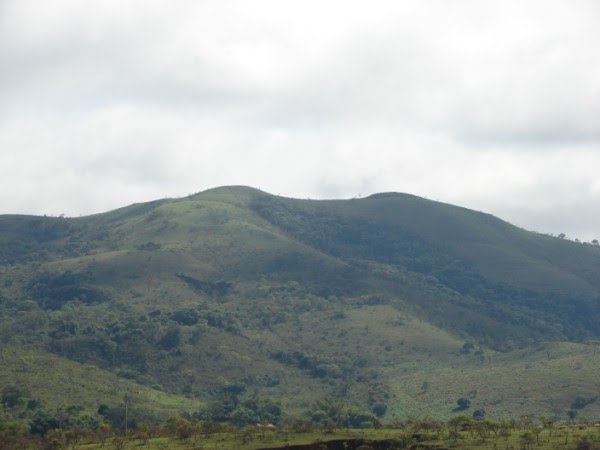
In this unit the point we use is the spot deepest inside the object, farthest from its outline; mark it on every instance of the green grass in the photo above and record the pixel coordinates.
(248, 439)
(504, 385)
(60, 383)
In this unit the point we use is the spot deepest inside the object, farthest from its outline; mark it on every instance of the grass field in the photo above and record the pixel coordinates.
(564, 438)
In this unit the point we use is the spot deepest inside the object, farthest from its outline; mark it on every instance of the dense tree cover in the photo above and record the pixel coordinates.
(497, 310)
(54, 290)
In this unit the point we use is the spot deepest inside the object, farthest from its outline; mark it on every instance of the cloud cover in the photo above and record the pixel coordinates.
(489, 105)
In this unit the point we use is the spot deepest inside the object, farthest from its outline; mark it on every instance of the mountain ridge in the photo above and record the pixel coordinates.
(301, 299)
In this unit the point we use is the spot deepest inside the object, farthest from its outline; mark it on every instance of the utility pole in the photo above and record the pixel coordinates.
(126, 399)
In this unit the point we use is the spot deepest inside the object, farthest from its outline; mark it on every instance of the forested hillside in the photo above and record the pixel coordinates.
(236, 305)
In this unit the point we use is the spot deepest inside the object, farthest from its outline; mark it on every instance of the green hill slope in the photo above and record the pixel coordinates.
(234, 298)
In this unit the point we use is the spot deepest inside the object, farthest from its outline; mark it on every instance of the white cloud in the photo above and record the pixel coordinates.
(491, 105)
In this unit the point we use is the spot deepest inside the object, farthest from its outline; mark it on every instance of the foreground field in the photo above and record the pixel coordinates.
(459, 433)
(564, 438)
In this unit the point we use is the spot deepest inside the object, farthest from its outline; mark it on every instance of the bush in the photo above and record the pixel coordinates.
(379, 409)
(581, 402)
(479, 414)
(463, 403)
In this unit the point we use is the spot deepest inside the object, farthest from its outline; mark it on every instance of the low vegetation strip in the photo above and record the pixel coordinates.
(355, 444)
(462, 433)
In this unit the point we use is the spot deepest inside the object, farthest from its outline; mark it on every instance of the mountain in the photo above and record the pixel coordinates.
(239, 305)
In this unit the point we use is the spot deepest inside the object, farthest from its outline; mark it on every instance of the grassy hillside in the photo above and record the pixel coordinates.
(545, 286)
(235, 305)
(59, 383)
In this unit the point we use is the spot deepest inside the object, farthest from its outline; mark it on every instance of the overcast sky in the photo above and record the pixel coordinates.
(492, 105)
